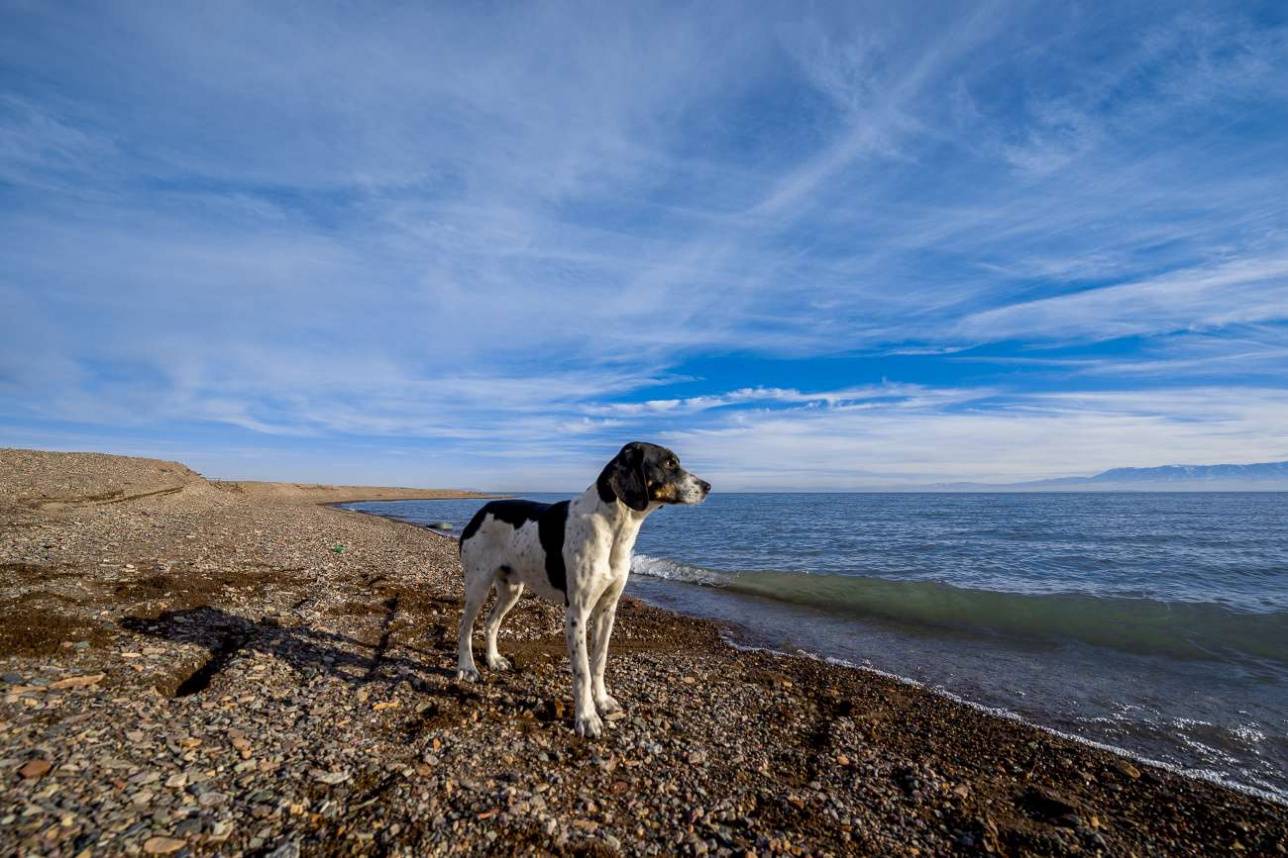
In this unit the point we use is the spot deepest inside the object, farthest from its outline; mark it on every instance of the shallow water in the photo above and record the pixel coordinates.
(1157, 623)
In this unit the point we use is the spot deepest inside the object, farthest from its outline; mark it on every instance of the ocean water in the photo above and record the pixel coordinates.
(1153, 623)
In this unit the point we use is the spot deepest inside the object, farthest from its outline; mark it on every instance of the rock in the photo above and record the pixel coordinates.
(19, 690)
(1128, 769)
(289, 849)
(1047, 806)
(79, 681)
(35, 768)
(163, 845)
(331, 777)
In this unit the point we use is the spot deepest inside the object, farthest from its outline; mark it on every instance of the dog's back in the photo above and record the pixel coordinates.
(520, 542)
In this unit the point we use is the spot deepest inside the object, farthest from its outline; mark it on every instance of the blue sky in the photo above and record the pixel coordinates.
(807, 246)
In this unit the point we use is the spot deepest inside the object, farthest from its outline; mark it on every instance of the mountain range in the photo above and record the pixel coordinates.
(1262, 476)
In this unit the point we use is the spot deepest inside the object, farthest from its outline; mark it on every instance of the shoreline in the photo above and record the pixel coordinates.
(728, 638)
(233, 683)
(1200, 775)
(1207, 750)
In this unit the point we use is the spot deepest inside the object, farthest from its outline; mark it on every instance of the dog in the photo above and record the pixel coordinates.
(576, 553)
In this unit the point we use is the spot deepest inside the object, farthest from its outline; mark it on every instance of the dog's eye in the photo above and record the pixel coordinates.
(671, 464)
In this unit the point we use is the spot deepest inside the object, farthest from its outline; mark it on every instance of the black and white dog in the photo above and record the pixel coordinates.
(575, 552)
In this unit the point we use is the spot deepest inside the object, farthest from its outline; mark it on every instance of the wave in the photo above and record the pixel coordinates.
(1194, 630)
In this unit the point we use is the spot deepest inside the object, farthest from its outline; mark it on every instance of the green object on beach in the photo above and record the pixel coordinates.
(338, 548)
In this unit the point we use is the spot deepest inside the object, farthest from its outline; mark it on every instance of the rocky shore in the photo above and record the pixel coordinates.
(201, 668)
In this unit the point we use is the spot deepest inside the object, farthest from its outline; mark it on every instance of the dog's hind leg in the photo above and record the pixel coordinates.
(477, 584)
(507, 595)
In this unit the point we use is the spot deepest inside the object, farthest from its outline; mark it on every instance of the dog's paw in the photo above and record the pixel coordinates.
(590, 726)
(468, 675)
(608, 705)
(498, 663)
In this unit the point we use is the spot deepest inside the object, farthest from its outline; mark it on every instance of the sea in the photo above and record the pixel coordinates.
(1152, 623)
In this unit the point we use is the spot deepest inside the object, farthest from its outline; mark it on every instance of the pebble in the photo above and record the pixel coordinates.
(35, 768)
(163, 845)
(1128, 769)
(331, 777)
(79, 681)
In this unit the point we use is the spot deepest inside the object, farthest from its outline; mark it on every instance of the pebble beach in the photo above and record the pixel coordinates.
(193, 667)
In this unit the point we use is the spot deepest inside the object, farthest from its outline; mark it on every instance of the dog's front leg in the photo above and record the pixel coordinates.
(588, 722)
(601, 630)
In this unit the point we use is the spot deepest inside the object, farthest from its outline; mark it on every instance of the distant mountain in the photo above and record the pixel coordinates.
(1172, 473)
(1263, 476)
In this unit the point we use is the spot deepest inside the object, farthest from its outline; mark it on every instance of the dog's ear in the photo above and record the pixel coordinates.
(626, 476)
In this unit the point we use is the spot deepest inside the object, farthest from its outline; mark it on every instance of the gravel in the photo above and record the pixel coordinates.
(192, 668)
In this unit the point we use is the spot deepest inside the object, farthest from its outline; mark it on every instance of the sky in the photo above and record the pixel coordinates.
(807, 246)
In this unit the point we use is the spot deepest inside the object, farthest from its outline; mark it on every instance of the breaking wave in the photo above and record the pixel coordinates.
(1192, 630)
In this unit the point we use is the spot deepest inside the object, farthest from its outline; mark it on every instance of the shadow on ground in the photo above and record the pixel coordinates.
(306, 650)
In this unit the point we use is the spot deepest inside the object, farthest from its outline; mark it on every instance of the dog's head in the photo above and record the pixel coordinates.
(643, 474)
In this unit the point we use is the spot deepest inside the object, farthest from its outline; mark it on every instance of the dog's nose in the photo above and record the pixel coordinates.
(706, 486)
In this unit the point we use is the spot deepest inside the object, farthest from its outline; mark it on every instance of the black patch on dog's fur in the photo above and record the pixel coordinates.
(550, 529)
(604, 488)
(551, 519)
(473, 527)
(515, 513)
(623, 478)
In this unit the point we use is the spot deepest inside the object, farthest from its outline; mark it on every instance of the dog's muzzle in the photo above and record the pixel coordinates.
(694, 490)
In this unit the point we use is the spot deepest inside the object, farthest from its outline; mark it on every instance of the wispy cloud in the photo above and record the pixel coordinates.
(1237, 292)
(1022, 437)
(530, 235)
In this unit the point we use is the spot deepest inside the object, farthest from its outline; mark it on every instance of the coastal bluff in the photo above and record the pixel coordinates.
(239, 668)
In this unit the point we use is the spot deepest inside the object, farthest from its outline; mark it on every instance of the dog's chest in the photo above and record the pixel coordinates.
(602, 548)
